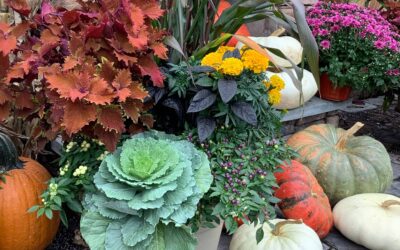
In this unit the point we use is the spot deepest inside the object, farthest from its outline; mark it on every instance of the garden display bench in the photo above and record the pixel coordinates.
(317, 111)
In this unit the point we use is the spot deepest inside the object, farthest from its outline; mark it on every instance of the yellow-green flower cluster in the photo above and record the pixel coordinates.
(102, 156)
(81, 170)
(70, 146)
(85, 146)
(250, 59)
(53, 189)
(255, 61)
(64, 169)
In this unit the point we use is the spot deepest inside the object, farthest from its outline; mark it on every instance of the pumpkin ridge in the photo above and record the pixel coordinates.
(292, 201)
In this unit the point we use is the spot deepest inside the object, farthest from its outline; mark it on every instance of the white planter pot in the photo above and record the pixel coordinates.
(208, 238)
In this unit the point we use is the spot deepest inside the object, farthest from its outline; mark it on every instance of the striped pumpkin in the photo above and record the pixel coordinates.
(303, 198)
(343, 164)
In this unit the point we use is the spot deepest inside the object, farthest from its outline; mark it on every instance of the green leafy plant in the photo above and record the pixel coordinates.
(79, 161)
(145, 193)
(243, 162)
(197, 29)
(228, 87)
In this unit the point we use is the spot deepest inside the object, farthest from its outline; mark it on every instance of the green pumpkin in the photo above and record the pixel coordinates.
(343, 164)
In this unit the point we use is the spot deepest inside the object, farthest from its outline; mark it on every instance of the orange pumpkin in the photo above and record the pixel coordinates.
(223, 5)
(25, 182)
(303, 198)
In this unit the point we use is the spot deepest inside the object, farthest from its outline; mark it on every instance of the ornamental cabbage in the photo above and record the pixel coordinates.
(145, 192)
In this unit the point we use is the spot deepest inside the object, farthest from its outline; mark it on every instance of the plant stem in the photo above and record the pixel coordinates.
(279, 225)
(389, 203)
(350, 132)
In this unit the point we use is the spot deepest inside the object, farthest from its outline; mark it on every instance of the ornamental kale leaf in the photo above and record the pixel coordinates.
(145, 192)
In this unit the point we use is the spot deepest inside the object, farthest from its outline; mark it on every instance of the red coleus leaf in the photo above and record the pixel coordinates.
(122, 84)
(148, 67)
(77, 115)
(132, 109)
(135, 14)
(4, 111)
(139, 40)
(109, 138)
(128, 60)
(160, 50)
(137, 91)
(20, 29)
(147, 120)
(70, 63)
(24, 100)
(47, 37)
(8, 42)
(20, 6)
(80, 85)
(15, 72)
(4, 96)
(107, 71)
(4, 64)
(111, 119)
(151, 8)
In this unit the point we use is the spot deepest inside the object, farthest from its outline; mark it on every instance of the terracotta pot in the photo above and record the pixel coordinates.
(330, 92)
(208, 238)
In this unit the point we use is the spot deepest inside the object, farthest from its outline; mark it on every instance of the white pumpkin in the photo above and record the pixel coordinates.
(289, 46)
(371, 220)
(290, 98)
(287, 235)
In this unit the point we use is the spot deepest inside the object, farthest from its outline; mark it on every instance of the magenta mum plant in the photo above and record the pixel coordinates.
(358, 46)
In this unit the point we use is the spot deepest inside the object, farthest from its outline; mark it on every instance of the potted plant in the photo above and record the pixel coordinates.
(144, 194)
(227, 102)
(359, 49)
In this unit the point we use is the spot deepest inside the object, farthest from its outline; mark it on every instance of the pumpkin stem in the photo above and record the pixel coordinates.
(350, 132)
(279, 225)
(389, 203)
(278, 32)
(8, 154)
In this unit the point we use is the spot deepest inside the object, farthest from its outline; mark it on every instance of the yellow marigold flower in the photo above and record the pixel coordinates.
(213, 60)
(231, 66)
(274, 96)
(277, 82)
(223, 49)
(266, 83)
(255, 61)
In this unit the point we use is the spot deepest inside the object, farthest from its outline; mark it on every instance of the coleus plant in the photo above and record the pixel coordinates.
(82, 70)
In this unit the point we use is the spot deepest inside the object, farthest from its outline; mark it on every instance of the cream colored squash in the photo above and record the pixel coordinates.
(371, 220)
(287, 235)
(290, 94)
(289, 46)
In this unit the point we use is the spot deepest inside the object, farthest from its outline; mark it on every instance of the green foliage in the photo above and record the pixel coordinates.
(197, 29)
(79, 161)
(145, 193)
(216, 99)
(243, 162)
